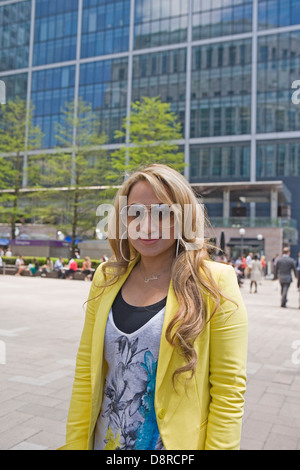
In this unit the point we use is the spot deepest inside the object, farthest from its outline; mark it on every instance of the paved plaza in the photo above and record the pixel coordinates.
(40, 327)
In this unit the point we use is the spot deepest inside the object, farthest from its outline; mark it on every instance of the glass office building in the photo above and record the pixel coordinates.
(226, 67)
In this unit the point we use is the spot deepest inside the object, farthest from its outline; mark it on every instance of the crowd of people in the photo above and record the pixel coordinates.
(62, 270)
(254, 268)
(251, 266)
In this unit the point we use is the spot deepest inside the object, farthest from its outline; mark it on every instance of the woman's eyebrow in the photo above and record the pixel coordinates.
(141, 204)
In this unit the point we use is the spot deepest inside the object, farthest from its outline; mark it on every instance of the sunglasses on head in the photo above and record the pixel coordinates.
(160, 213)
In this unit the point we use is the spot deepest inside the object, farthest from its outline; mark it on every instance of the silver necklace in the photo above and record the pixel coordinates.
(153, 277)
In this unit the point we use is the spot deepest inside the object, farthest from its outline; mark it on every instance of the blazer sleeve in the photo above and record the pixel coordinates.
(78, 422)
(228, 358)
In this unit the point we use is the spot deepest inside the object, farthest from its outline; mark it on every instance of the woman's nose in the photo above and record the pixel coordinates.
(148, 226)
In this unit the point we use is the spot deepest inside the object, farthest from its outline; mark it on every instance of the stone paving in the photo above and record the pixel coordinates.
(40, 327)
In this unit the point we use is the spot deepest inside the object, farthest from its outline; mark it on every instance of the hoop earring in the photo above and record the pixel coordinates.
(177, 247)
(121, 251)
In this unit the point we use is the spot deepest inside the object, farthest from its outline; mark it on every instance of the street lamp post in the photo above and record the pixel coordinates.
(260, 237)
(242, 232)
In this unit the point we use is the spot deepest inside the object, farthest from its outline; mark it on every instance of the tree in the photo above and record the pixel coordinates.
(152, 128)
(18, 136)
(79, 163)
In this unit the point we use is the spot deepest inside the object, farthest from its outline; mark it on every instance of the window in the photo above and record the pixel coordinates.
(104, 85)
(105, 27)
(227, 161)
(14, 35)
(51, 89)
(222, 86)
(217, 18)
(278, 67)
(55, 35)
(161, 74)
(160, 22)
(278, 13)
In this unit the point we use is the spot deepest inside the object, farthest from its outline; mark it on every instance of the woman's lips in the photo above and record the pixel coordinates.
(149, 241)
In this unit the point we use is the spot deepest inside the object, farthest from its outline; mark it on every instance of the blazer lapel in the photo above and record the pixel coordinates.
(166, 350)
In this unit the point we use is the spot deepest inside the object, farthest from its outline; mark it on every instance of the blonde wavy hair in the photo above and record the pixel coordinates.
(190, 274)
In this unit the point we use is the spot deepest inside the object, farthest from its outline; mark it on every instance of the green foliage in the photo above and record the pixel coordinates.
(79, 163)
(15, 118)
(17, 136)
(42, 260)
(153, 128)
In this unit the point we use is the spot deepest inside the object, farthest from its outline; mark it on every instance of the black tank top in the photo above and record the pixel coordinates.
(129, 318)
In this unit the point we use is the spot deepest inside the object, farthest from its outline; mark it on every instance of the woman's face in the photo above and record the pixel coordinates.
(148, 236)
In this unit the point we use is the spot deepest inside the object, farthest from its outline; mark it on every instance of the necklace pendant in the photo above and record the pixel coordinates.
(152, 278)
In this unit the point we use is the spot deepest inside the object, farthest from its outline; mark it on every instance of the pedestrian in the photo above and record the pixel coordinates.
(256, 271)
(298, 270)
(71, 268)
(8, 252)
(47, 268)
(238, 273)
(34, 268)
(274, 261)
(162, 359)
(263, 265)
(283, 271)
(59, 267)
(87, 269)
(243, 265)
(20, 265)
(248, 263)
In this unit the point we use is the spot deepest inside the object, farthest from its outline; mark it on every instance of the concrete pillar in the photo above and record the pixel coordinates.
(274, 204)
(252, 214)
(226, 204)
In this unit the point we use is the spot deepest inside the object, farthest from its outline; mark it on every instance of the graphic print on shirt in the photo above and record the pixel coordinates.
(129, 415)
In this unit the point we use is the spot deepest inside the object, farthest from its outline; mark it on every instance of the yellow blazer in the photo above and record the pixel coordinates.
(208, 414)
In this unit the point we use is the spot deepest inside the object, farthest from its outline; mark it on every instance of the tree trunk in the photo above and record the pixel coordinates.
(16, 198)
(75, 219)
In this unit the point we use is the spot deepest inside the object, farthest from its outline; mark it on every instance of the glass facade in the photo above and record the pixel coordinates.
(220, 162)
(219, 18)
(162, 74)
(278, 159)
(203, 62)
(105, 27)
(278, 13)
(104, 84)
(16, 85)
(55, 33)
(221, 89)
(158, 23)
(14, 35)
(51, 90)
(278, 68)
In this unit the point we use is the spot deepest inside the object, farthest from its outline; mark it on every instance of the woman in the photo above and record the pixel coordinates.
(20, 265)
(71, 268)
(255, 273)
(263, 265)
(162, 358)
(47, 268)
(34, 268)
(87, 269)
